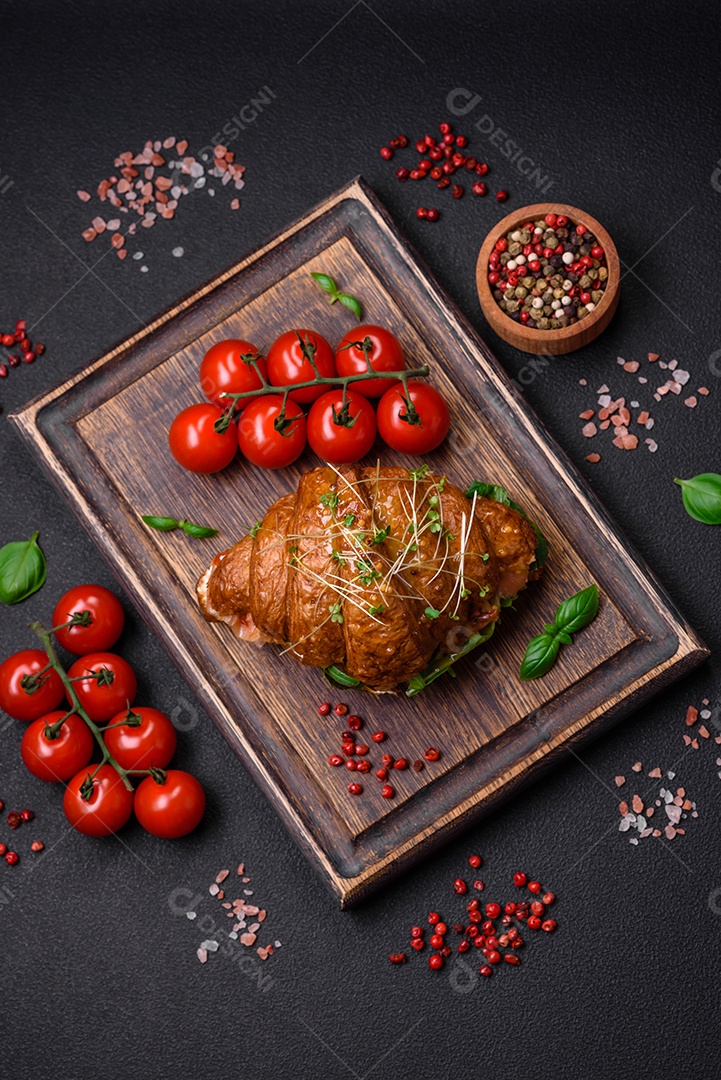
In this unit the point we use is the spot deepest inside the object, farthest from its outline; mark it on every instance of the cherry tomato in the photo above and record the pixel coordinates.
(226, 369)
(107, 619)
(333, 441)
(259, 439)
(383, 350)
(196, 445)
(151, 743)
(106, 810)
(171, 809)
(287, 363)
(14, 699)
(103, 697)
(59, 758)
(394, 418)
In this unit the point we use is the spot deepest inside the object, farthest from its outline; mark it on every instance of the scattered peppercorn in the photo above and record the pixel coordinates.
(12, 858)
(37, 845)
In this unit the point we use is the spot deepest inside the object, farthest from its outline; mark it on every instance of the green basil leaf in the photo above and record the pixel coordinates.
(336, 675)
(23, 570)
(539, 657)
(702, 497)
(326, 283)
(352, 304)
(578, 611)
(200, 532)
(163, 524)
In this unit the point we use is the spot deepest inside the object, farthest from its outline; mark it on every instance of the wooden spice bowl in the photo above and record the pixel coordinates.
(567, 338)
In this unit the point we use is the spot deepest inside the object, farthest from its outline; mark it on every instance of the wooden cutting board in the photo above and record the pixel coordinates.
(102, 436)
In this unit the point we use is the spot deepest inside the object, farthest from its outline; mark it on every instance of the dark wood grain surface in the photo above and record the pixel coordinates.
(103, 438)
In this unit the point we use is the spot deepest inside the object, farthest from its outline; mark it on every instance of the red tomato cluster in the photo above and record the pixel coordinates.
(58, 744)
(339, 430)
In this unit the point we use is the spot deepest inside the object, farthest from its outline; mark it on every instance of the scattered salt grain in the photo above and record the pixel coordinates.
(191, 915)
(209, 946)
(620, 781)
(202, 956)
(178, 252)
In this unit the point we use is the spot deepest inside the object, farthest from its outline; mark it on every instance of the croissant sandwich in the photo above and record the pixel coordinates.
(382, 577)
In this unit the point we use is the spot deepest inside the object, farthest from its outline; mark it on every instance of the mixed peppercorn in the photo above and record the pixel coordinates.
(549, 273)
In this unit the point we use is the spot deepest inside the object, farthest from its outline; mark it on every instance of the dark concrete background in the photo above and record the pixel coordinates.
(619, 107)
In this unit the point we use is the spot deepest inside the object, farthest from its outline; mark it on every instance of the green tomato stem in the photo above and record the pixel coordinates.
(107, 758)
(332, 380)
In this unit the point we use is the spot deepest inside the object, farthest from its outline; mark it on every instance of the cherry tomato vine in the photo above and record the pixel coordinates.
(342, 417)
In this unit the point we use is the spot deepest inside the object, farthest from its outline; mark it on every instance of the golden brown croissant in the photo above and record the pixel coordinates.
(371, 571)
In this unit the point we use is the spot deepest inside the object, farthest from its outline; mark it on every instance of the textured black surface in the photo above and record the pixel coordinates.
(619, 108)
